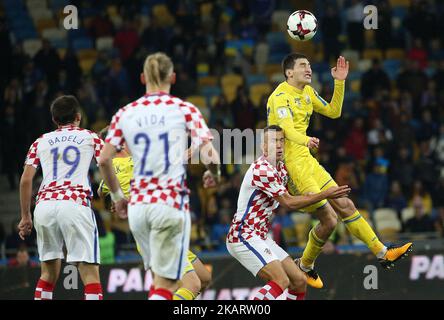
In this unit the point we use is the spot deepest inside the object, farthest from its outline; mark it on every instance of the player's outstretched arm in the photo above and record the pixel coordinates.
(334, 108)
(25, 225)
(299, 202)
(211, 159)
(110, 178)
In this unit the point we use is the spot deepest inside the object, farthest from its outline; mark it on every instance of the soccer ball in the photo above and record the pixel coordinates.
(302, 25)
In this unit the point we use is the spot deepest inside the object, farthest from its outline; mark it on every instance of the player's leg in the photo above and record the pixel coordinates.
(303, 181)
(79, 228)
(190, 283)
(259, 259)
(298, 283)
(50, 248)
(360, 228)
(298, 280)
(169, 242)
(203, 273)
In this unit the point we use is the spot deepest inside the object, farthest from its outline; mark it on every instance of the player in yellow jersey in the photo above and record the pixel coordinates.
(196, 277)
(290, 106)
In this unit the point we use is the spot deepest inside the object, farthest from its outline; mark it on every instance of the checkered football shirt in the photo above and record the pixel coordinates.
(156, 128)
(262, 182)
(65, 156)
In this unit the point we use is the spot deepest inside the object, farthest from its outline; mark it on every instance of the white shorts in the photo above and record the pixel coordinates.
(61, 222)
(163, 235)
(256, 253)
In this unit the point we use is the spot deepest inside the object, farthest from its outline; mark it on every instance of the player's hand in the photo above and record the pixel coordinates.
(121, 208)
(340, 72)
(210, 180)
(338, 192)
(25, 226)
(313, 143)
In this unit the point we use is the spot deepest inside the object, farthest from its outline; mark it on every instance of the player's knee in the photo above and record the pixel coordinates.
(283, 281)
(345, 206)
(205, 280)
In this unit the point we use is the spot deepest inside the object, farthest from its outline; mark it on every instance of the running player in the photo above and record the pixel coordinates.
(155, 128)
(290, 106)
(63, 213)
(262, 190)
(196, 276)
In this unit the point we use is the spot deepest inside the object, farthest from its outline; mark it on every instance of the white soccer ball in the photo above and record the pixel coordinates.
(302, 25)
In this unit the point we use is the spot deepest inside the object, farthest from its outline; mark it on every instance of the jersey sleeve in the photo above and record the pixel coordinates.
(280, 106)
(115, 134)
(265, 178)
(98, 145)
(334, 108)
(196, 125)
(32, 157)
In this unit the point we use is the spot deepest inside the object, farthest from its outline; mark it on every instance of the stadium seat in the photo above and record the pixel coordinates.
(355, 85)
(231, 79)
(207, 81)
(104, 43)
(270, 69)
(364, 65)
(32, 46)
(41, 14)
(407, 213)
(82, 43)
(162, 15)
(276, 77)
(203, 69)
(87, 64)
(44, 24)
(36, 4)
(261, 56)
(87, 54)
(398, 54)
(54, 34)
(372, 54)
(256, 78)
(230, 92)
(257, 91)
(387, 223)
(198, 101)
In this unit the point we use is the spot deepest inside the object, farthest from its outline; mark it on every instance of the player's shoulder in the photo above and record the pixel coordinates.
(263, 167)
(280, 92)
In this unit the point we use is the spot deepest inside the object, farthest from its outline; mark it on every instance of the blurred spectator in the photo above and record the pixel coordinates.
(220, 112)
(421, 222)
(354, 16)
(419, 193)
(374, 80)
(384, 31)
(220, 230)
(412, 80)
(379, 134)
(418, 54)
(243, 110)
(101, 26)
(439, 222)
(21, 259)
(356, 142)
(421, 21)
(48, 61)
(375, 187)
(331, 29)
(126, 40)
(71, 66)
(425, 167)
(396, 198)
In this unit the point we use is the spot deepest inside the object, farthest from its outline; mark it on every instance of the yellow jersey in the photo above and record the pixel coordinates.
(123, 167)
(291, 109)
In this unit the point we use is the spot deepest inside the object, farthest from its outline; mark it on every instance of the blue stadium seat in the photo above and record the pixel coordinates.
(82, 43)
(23, 34)
(76, 34)
(256, 78)
(354, 75)
(59, 43)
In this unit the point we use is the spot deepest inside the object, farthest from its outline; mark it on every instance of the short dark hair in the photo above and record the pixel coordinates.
(64, 109)
(290, 60)
(103, 133)
(272, 128)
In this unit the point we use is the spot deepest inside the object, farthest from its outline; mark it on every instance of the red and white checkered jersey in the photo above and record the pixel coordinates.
(65, 156)
(262, 182)
(156, 128)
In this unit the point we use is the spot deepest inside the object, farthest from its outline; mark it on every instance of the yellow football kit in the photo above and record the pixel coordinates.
(291, 109)
(123, 167)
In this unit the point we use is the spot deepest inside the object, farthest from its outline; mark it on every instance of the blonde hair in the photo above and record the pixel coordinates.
(157, 67)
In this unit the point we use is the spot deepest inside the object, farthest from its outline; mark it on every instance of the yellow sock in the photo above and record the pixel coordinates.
(360, 228)
(183, 294)
(312, 250)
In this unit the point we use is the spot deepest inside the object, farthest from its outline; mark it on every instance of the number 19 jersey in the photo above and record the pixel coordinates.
(65, 156)
(156, 128)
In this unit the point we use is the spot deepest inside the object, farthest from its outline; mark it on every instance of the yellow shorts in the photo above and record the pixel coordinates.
(308, 176)
(191, 257)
